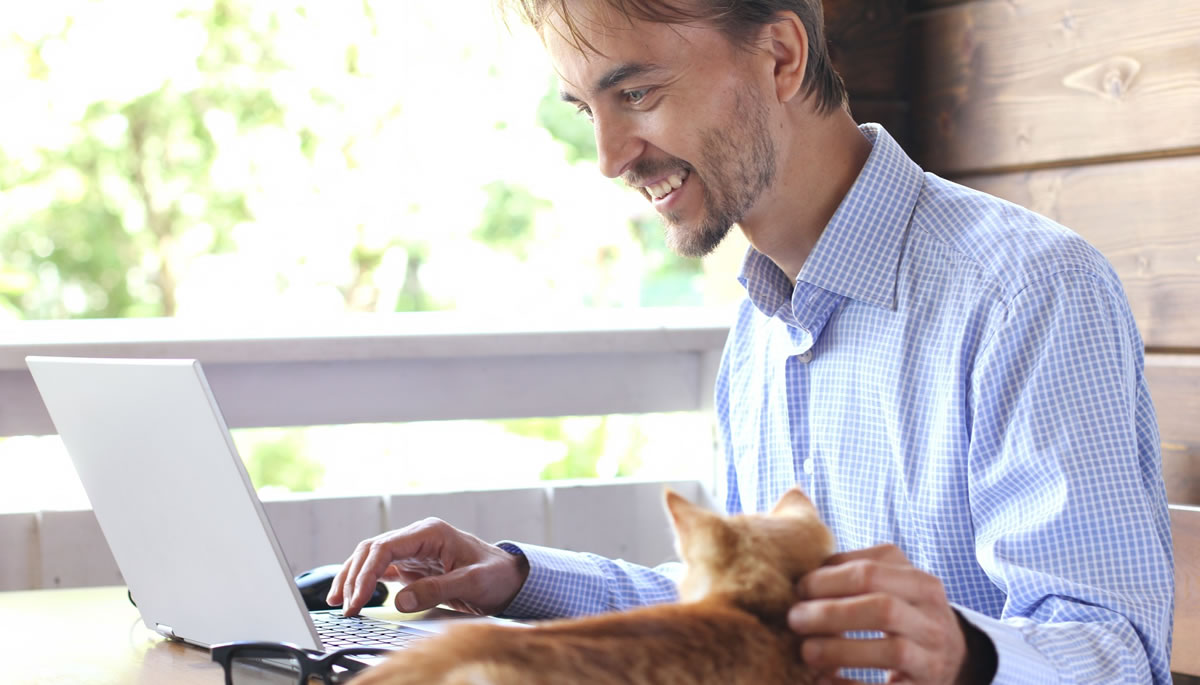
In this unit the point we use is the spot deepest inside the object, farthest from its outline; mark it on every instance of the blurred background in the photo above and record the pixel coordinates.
(229, 160)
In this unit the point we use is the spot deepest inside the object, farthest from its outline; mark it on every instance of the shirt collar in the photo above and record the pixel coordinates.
(858, 253)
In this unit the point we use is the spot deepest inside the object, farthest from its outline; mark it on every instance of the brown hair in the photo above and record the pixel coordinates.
(739, 20)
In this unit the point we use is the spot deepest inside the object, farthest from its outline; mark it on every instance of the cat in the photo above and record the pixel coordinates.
(729, 627)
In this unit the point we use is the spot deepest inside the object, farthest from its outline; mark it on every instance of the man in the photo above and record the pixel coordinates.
(955, 381)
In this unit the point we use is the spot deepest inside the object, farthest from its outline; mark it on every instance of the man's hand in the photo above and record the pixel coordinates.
(878, 589)
(438, 563)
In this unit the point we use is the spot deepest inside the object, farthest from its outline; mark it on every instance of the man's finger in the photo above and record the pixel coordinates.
(890, 653)
(431, 591)
(863, 576)
(349, 575)
(334, 597)
(882, 612)
(887, 553)
(379, 557)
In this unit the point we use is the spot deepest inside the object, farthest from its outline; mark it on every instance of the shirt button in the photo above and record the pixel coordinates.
(809, 467)
(805, 356)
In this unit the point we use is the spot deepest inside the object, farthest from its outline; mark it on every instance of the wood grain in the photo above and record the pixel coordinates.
(1175, 386)
(109, 644)
(1185, 531)
(893, 114)
(867, 44)
(1144, 216)
(1012, 83)
(922, 5)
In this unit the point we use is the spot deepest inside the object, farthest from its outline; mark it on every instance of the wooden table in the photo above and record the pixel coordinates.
(94, 636)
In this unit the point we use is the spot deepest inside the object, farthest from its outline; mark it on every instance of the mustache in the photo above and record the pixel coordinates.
(648, 170)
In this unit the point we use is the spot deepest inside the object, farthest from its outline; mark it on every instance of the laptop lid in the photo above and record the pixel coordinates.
(173, 499)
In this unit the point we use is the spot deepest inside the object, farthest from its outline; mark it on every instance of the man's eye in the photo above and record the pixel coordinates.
(585, 111)
(635, 97)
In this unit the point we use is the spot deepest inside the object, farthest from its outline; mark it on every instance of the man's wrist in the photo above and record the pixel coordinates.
(979, 664)
(521, 567)
(522, 562)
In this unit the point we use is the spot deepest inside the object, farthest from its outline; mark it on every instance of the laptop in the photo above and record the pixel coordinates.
(178, 510)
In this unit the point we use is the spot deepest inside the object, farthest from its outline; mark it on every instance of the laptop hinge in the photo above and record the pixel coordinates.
(166, 631)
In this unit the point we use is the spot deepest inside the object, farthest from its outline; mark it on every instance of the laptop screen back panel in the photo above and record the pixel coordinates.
(173, 499)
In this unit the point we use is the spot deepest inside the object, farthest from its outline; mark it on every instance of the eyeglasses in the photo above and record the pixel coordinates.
(260, 663)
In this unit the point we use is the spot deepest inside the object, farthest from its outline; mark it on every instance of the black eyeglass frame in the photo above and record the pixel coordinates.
(311, 662)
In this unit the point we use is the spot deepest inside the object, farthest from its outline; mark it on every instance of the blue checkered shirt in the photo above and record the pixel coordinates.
(960, 377)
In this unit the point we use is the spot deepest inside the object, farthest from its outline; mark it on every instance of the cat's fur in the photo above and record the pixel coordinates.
(729, 627)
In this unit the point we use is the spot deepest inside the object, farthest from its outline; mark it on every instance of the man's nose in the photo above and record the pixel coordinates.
(617, 144)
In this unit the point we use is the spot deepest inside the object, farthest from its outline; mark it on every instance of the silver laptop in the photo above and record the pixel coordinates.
(178, 510)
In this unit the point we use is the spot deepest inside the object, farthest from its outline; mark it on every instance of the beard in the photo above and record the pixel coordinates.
(739, 163)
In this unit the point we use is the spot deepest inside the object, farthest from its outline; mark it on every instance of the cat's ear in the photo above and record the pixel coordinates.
(794, 503)
(684, 514)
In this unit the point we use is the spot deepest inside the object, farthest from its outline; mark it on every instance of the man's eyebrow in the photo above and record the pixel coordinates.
(613, 78)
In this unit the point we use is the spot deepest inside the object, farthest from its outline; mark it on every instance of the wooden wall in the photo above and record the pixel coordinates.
(1087, 111)
(867, 42)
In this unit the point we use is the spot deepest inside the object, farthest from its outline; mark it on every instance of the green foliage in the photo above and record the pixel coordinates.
(281, 463)
(508, 217)
(586, 445)
(123, 192)
(567, 126)
(155, 169)
(412, 297)
(672, 280)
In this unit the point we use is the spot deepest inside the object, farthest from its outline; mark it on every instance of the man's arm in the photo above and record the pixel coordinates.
(1066, 490)
(563, 583)
(1068, 509)
(440, 564)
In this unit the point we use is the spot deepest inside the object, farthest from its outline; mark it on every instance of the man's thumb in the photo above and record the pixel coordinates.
(428, 592)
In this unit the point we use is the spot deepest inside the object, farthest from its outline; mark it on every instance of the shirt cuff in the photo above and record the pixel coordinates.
(560, 583)
(1017, 661)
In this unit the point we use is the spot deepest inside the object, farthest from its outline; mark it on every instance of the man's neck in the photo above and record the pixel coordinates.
(815, 174)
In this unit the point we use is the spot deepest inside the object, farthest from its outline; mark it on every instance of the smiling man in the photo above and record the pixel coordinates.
(955, 381)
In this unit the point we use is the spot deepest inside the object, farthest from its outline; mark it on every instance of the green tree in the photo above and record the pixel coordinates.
(135, 179)
(567, 125)
(508, 218)
(281, 463)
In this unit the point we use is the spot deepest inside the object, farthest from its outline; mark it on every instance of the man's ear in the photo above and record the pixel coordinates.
(787, 42)
(794, 503)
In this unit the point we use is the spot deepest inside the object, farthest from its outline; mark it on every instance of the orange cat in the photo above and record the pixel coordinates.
(729, 627)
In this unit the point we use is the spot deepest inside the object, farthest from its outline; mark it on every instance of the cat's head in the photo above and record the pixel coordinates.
(751, 560)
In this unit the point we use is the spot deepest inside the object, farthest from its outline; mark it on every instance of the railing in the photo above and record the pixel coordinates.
(401, 367)
(382, 369)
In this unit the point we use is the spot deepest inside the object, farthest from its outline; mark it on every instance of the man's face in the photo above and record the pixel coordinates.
(678, 115)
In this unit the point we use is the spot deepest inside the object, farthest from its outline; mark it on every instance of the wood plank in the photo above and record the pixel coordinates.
(1175, 386)
(1185, 531)
(1009, 83)
(73, 552)
(922, 5)
(316, 530)
(493, 515)
(18, 563)
(866, 41)
(1142, 215)
(632, 526)
(893, 114)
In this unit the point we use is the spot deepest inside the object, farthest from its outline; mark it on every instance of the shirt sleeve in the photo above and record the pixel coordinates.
(1066, 490)
(563, 583)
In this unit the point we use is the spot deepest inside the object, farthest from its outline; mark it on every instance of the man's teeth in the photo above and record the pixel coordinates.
(660, 190)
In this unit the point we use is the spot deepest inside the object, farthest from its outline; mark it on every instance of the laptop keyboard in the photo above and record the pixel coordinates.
(337, 631)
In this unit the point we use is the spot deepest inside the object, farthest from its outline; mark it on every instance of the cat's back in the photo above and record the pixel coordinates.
(701, 642)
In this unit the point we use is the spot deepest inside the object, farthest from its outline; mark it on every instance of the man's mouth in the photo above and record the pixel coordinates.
(666, 186)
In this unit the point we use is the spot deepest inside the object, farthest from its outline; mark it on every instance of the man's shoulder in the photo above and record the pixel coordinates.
(1009, 246)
